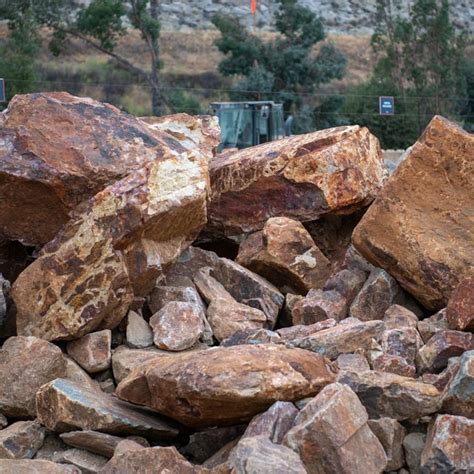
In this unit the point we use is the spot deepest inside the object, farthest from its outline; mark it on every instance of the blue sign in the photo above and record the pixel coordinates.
(2, 91)
(386, 105)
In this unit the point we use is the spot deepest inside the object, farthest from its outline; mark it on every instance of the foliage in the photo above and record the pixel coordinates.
(286, 69)
(182, 102)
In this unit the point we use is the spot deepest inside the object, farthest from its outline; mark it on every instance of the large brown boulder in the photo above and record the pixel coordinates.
(418, 229)
(303, 177)
(226, 385)
(113, 250)
(57, 151)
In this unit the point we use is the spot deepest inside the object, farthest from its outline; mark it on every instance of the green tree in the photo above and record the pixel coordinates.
(286, 69)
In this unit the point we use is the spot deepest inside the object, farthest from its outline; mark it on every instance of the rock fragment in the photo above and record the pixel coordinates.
(413, 445)
(390, 434)
(319, 305)
(21, 440)
(85, 461)
(93, 351)
(138, 333)
(35, 466)
(460, 309)
(428, 327)
(398, 317)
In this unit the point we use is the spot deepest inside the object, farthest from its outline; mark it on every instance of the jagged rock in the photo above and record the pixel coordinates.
(85, 461)
(460, 309)
(217, 463)
(285, 254)
(77, 374)
(21, 440)
(177, 326)
(285, 318)
(138, 333)
(404, 343)
(419, 217)
(398, 317)
(394, 364)
(252, 336)
(301, 177)
(35, 466)
(441, 380)
(259, 454)
(434, 355)
(162, 295)
(52, 448)
(27, 363)
(93, 441)
(341, 339)
(319, 305)
(390, 434)
(92, 351)
(140, 459)
(302, 330)
(114, 248)
(389, 395)
(428, 327)
(352, 362)
(274, 423)
(243, 285)
(379, 292)
(331, 435)
(204, 444)
(225, 385)
(347, 283)
(449, 445)
(63, 405)
(413, 445)
(3, 422)
(459, 396)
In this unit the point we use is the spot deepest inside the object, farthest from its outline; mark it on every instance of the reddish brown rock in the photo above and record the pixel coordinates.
(390, 434)
(225, 385)
(394, 364)
(341, 339)
(114, 248)
(93, 351)
(159, 460)
(441, 380)
(347, 283)
(301, 177)
(352, 362)
(63, 405)
(302, 330)
(162, 295)
(285, 254)
(419, 217)
(449, 445)
(85, 461)
(27, 363)
(35, 466)
(259, 454)
(252, 336)
(379, 292)
(458, 399)
(319, 305)
(21, 440)
(434, 355)
(331, 435)
(428, 327)
(404, 343)
(460, 309)
(389, 395)
(397, 317)
(177, 326)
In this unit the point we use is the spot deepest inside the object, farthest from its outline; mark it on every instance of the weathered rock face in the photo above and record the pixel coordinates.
(302, 177)
(428, 327)
(92, 351)
(285, 254)
(139, 334)
(398, 317)
(413, 445)
(318, 306)
(392, 396)
(63, 405)
(460, 310)
(390, 433)
(116, 247)
(35, 466)
(58, 151)
(448, 446)
(331, 434)
(225, 385)
(27, 363)
(21, 440)
(83, 460)
(417, 229)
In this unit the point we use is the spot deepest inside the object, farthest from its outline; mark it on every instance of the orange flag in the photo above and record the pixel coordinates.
(253, 6)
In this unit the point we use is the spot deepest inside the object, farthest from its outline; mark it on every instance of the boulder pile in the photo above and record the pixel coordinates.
(288, 308)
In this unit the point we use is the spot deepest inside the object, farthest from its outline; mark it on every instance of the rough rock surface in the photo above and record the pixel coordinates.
(318, 306)
(21, 440)
(114, 248)
(413, 445)
(449, 445)
(63, 405)
(35, 466)
(285, 254)
(84, 460)
(92, 351)
(27, 363)
(139, 334)
(211, 388)
(301, 177)
(390, 434)
(331, 435)
(460, 309)
(428, 327)
(417, 228)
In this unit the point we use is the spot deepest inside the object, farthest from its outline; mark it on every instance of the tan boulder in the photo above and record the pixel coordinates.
(27, 363)
(417, 228)
(92, 351)
(225, 385)
(115, 248)
(58, 151)
(301, 177)
(460, 309)
(138, 333)
(285, 254)
(331, 435)
(63, 405)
